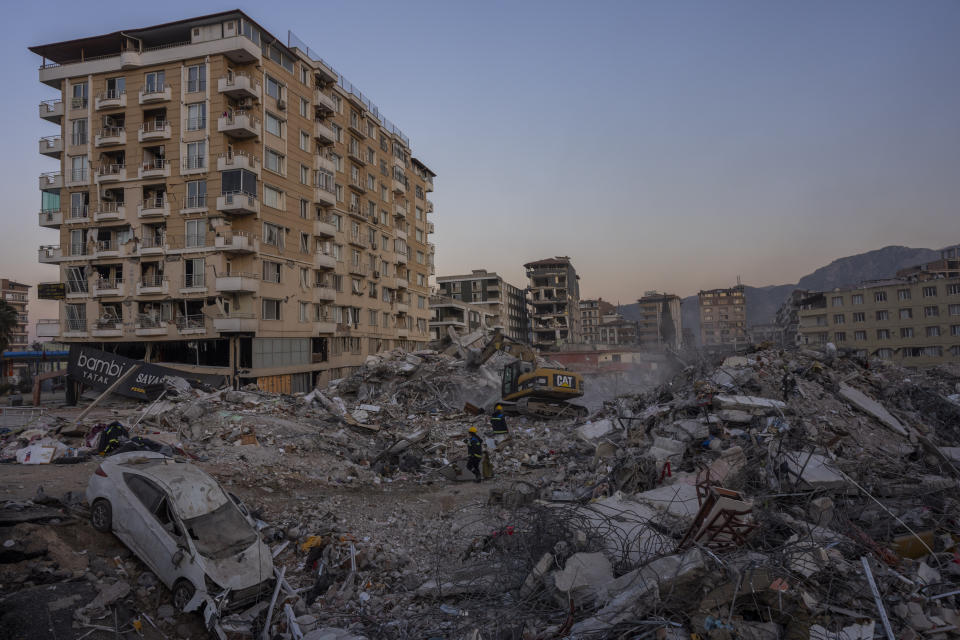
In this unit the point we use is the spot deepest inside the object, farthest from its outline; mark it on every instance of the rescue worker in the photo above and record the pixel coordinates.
(498, 421)
(474, 454)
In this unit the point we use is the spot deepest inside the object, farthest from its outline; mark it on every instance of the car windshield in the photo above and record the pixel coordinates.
(221, 532)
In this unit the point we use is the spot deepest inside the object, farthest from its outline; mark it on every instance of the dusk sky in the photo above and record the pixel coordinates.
(661, 145)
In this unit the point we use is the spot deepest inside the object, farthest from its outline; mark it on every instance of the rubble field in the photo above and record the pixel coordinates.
(774, 495)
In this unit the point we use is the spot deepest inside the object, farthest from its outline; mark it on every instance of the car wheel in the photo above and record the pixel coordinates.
(101, 515)
(183, 592)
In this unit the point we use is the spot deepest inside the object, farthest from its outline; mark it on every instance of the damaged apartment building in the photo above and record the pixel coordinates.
(723, 316)
(660, 320)
(554, 299)
(504, 304)
(913, 318)
(602, 324)
(228, 202)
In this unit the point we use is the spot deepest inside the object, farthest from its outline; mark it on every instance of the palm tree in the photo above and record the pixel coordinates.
(8, 323)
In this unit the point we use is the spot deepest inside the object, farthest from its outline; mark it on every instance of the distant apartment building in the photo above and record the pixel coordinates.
(505, 303)
(660, 323)
(228, 202)
(788, 316)
(464, 317)
(591, 315)
(770, 333)
(15, 295)
(948, 266)
(723, 316)
(554, 300)
(614, 329)
(914, 321)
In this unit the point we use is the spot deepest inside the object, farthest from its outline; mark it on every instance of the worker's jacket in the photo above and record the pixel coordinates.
(499, 422)
(475, 446)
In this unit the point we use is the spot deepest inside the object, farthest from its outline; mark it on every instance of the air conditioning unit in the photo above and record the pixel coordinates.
(246, 103)
(282, 105)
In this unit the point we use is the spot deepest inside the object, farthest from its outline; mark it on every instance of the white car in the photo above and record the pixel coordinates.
(198, 539)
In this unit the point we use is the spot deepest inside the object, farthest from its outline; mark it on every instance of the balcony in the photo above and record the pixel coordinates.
(429, 207)
(156, 168)
(358, 127)
(399, 211)
(398, 186)
(48, 328)
(153, 207)
(147, 326)
(110, 100)
(77, 289)
(324, 228)
(239, 86)
(107, 329)
(358, 269)
(401, 233)
(153, 285)
(238, 283)
(429, 227)
(110, 173)
(323, 102)
(108, 287)
(403, 332)
(402, 307)
(238, 204)
(358, 241)
(52, 181)
(154, 94)
(324, 294)
(321, 327)
(240, 124)
(154, 130)
(236, 323)
(75, 328)
(238, 160)
(402, 283)
(51, 146)
(236, 241)
(192, 325)
(108, 210)
(356, 154)
(110, 136)
(51, 111)
(194, 204)
(323, 133)
(78, 177)
(51, 219)
(324, 197)
(50, 254)
(402, 257)
(193, 283)
(323, 260)
(153, 245)
(322, 161)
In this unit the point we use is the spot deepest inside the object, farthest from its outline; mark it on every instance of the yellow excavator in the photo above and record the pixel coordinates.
(528, 389)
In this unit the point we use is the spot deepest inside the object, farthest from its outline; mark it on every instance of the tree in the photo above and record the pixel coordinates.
(8, 324)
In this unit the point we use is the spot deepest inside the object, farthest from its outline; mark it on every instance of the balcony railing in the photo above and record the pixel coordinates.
(75, 324)
(77, 287)
(107, 245)
(106, 170)
(145, 321)
(193, 281)
(155, 280)
(109, 283)
(195, 321)
(195, 202)
(80, 213)
(196, 163)
(153, 242)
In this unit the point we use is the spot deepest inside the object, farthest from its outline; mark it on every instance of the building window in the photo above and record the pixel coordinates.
(929, 292)
(373, 317)
(880, 296)
(271, 271)
(884, 354)
(931, 312)
(953, 289)
(196, 194)
(304, 141)
(903, 294)
(273, 124)
(837, 301)
(272, 197)
(954, 309)
(304, 312)
(273, 161)
(840, 336)
(196, 116)
(78, 131)
(860, 317)
(304, 174)
(859, 335)
(304, 242)
(274, 88)
(304, 209)
(196, 155)
(933, 332)
(906, 314)
(883, 334)
(856, 298)
(337, 132)
(906, 332)
(955, 330)
(304, 108)
(196, 232)
(271, 309)
(196, 78)
(273, 235)
(337, 162)
(883, 315)
(838, 318)
(238, 181)
(338, 189)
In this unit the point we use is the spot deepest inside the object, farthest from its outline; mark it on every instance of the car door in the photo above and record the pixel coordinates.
(157, 537)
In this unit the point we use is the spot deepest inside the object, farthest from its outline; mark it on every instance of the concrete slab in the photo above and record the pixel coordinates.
(677, 500)
(813, 469)
(870, 406)
(753, 404)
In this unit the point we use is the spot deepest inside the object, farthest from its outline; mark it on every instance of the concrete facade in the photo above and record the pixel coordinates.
(15, 294)
(505, 303)
(591, 316)
(723, 316)
(462, 316)
(660, 323)
(221, 196)
(554, 301)
(915, 322)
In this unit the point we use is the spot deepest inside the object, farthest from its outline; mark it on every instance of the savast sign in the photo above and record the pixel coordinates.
(98, 370)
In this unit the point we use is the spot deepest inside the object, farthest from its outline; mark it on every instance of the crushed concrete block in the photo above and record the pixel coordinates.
(360, 415)
(870, 406)
(370, 408)
(755, 405)
(677, 500)
(927, 574)
(414, 360)
(821, 511)
(735, 415)
(686, 429)
(729, 464)
(673, 446)
(194, 411)
(583, 579)
(737, 361)
(813, 469)
(953, 453)
(108, 595)
(534, 579)
(594, 430)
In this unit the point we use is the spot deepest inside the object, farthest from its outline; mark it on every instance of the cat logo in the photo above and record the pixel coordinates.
(564, 381)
